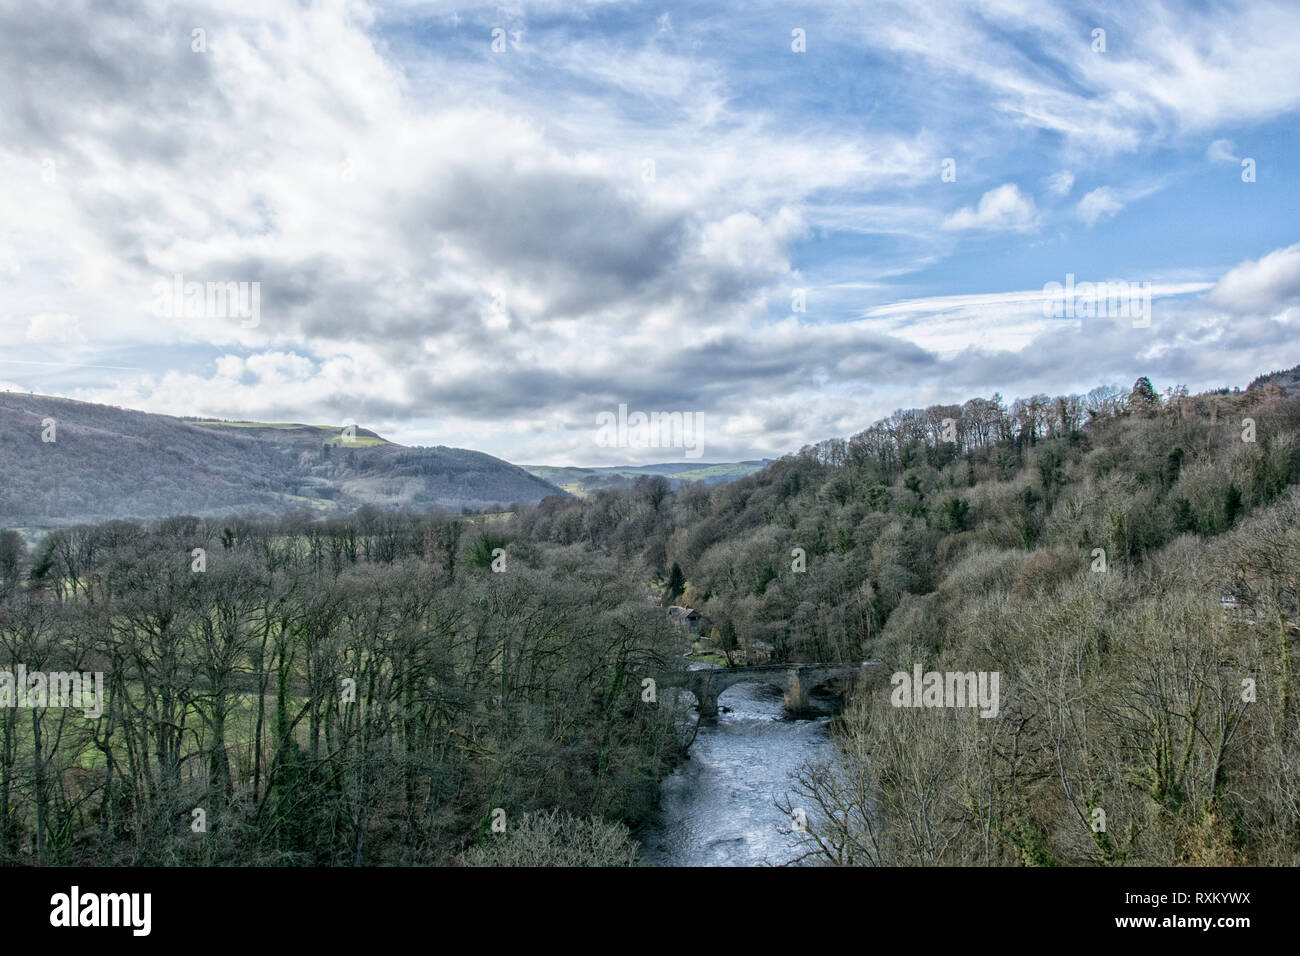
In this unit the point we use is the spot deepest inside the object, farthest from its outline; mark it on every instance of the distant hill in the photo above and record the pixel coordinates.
(108, 462)
(583, 481)
(1288, 379)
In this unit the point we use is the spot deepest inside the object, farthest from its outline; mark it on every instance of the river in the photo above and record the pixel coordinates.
(718, 808)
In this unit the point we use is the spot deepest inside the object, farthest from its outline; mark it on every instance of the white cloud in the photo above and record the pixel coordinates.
(1264, 285)
(1102, 202)
(1222, 151)
(384, 183)
(54, 327)
(991, 322)
(1182, 69)
(1002, 208)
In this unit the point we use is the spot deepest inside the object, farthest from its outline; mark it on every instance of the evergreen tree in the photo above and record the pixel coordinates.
(676, 584)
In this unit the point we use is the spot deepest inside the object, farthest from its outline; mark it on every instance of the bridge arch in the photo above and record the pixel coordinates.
(770, 684)
(796, 681)
(776, 682)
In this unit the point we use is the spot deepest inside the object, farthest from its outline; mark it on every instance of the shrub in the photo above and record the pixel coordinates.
(556, 839)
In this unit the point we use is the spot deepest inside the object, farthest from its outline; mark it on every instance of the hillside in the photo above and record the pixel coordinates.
(108, 462)
(1287, 379)
(1127, 562)
(585, 481)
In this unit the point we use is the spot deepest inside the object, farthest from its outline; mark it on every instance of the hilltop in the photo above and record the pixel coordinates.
(107, 462)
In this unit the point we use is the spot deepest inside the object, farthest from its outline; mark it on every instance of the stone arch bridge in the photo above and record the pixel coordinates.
(796, 681)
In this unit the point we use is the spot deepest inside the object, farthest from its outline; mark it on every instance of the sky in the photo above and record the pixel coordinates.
(490, 226)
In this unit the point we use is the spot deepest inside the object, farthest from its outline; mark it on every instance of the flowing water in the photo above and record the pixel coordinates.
(718, 808)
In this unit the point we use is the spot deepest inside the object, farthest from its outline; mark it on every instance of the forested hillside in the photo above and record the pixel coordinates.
(100, 462)
(1126, 561)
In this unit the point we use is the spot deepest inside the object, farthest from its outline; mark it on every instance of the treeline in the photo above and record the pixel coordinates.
(360, 691)
(893, 510)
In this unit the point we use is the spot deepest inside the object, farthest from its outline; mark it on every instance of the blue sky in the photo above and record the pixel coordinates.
(619, 204)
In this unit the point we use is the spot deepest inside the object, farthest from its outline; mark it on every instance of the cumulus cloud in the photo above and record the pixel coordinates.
(1263, 285)
(1002, 208)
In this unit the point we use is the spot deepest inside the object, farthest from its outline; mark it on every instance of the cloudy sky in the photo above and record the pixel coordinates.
(485, 225)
